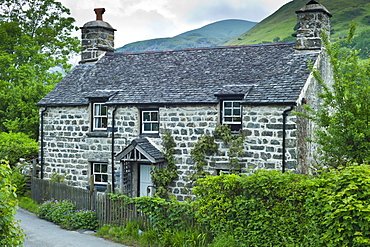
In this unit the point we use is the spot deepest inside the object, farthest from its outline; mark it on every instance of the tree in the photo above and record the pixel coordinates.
(35, 39)
(344, 116)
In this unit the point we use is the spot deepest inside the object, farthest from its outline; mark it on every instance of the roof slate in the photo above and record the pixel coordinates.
(265, 74)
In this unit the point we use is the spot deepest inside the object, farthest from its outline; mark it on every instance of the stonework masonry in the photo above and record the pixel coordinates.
(70, 146)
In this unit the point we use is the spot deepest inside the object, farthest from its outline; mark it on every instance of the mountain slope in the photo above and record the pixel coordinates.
(280, 25)
(214, 34)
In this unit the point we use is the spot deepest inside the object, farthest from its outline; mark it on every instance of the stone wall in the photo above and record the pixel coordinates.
(70, 146)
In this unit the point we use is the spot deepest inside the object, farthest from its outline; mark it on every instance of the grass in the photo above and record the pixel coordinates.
(28, 204)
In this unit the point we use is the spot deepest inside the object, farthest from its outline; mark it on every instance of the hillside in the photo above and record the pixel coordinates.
(280, 25)
(214, 34)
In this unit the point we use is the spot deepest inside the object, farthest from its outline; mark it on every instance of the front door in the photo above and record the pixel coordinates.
(145, 181)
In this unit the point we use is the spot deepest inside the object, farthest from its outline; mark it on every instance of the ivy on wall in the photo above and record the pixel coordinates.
(163, 176)
(206, 146)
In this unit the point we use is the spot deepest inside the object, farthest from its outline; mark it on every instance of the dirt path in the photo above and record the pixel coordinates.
(41, 233)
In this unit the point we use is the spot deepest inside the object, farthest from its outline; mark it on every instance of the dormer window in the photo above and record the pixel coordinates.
(100, 116)
(149, 122)
(232, 114)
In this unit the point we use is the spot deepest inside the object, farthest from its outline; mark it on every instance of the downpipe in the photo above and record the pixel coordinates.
(42, 143)
(285, 114)
(112, 151)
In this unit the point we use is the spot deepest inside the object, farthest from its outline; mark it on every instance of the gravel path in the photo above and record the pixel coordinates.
(41, 233)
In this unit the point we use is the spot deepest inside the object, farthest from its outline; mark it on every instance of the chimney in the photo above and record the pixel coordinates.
(97, 38)
(313, 19)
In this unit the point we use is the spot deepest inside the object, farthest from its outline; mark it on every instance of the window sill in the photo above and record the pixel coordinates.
(149, 135)
(97, 134)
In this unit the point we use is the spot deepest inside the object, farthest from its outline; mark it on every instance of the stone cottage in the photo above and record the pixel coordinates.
(106, 118)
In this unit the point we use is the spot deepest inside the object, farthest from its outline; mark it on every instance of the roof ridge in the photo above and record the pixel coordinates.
(200, 48)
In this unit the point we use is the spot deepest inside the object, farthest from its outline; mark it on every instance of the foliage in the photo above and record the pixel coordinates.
(164, 214)
(19, 181)
(80, 219)
(65, 214)
(28, 204)
(341, 206)
(10, 232)
(163, 176)
(343, 117)
(14, 146)
(59, 178)
(206, 146)
(35, 40)
(263, 209)
(54, 210)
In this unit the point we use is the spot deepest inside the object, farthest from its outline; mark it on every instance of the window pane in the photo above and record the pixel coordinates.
(96, 168)
(147, 126)
(228, 104)
(105, 178)
(155, 127)
(228, 119)
(236, 104)
(103, 110)
(146, 116)
(104, 168)
(97, 110)
(98, 178)
(227, 112)
(104, 122)
(236, 111)
(154, 116)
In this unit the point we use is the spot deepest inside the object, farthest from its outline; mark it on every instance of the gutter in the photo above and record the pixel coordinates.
(285, 114)
(112, 151)
(42, 143)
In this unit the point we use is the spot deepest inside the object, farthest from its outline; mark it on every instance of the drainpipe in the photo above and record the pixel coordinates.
(42, 143)
(112, 151)
(285, 114)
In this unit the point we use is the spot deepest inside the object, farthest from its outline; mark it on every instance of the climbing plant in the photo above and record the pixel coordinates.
(206, 146)
(163, 176)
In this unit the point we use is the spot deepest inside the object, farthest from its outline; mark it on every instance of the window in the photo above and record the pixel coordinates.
(100, 117)
(149, 122)
(100, 172)
(232, 114)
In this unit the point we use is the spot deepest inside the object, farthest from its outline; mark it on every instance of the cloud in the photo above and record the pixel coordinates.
(137, 20)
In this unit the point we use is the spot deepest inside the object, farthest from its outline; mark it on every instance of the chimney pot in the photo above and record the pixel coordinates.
(99, 13)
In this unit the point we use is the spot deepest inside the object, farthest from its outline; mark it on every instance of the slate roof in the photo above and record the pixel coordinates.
(264, 74)
(144, 147)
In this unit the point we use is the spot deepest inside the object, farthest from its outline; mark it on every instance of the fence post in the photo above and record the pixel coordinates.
(91, 182)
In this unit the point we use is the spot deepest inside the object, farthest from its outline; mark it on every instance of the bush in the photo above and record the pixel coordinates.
(341, 206)
(65, 214)
(19, 181)
(14, 146)
(54, 210)
(10, 233)
(80, 219)
(264, 209)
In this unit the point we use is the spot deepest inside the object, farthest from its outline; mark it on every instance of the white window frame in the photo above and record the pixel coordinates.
(99, 173)
(231, 115)
(149, 121)
(98, 117)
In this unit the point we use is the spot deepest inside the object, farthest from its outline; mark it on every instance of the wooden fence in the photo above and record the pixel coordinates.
(109, 211)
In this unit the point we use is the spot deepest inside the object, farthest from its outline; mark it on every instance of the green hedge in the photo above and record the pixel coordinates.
(10, 232)
(270, 208)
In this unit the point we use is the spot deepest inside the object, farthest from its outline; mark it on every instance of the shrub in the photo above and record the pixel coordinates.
(14, 146)
(264, 209)
(19, 181)
(80, 219)
(341, 206)
(10, 233)
(54, 210)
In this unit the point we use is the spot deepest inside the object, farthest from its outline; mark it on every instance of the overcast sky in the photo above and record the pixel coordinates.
(137, 20)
